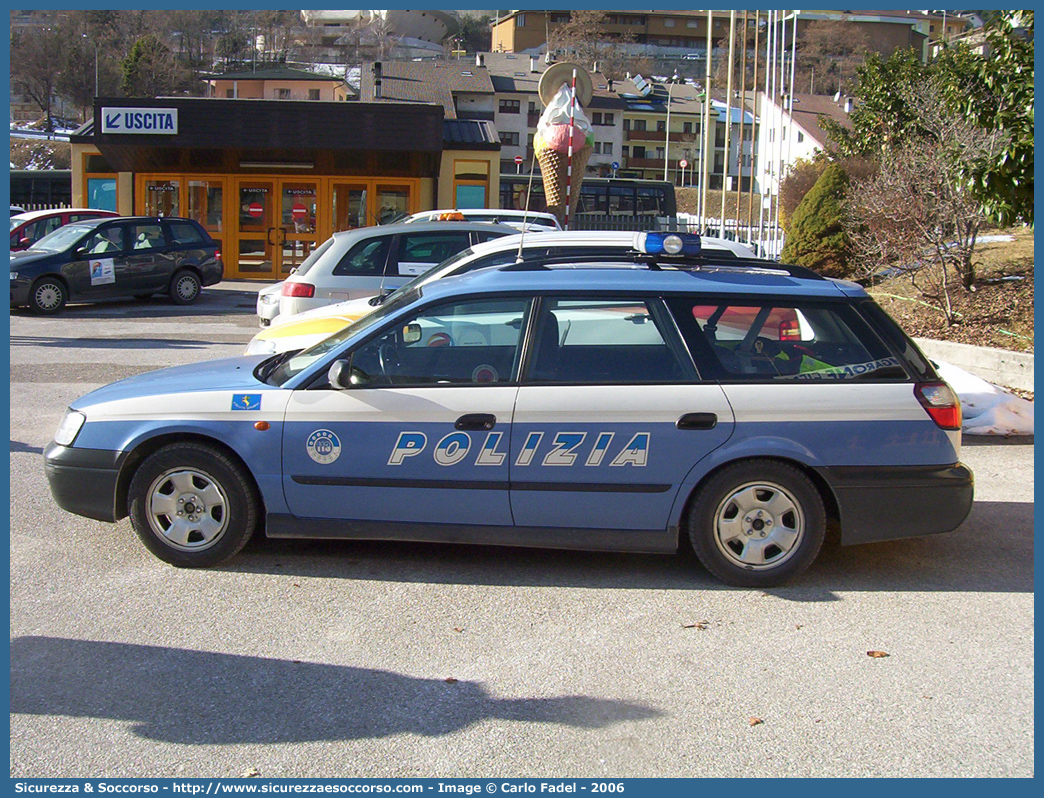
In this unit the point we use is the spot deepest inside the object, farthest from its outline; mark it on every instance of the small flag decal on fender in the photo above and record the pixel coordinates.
(246, 401)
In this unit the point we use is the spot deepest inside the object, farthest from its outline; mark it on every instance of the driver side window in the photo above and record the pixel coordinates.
(460, 343)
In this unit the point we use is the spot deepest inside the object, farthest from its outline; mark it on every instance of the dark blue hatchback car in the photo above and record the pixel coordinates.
(106, 258)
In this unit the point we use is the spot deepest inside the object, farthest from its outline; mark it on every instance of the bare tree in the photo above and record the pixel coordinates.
(828, 53)
(916, 214)
(587, 39)
(36, 64)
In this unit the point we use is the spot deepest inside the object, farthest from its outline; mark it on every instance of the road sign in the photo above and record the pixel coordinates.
(518, 160)
(615, 165)
(256, 210)
(683, 163)
(298, 211)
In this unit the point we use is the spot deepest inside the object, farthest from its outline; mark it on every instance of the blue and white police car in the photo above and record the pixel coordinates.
(644, 405)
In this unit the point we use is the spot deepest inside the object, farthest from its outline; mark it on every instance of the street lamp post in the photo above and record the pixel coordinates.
(667, 127)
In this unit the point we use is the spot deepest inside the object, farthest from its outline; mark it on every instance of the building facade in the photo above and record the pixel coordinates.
(271, 180)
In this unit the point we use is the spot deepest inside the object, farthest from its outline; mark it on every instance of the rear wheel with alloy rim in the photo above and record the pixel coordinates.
(757, 523)
(184, 287)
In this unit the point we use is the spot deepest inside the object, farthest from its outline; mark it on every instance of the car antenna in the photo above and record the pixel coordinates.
(525, 211)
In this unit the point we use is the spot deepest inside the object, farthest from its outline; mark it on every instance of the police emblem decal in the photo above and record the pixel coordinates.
(323, 446)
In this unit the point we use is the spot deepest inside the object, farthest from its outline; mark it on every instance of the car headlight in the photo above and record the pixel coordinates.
(261, 347)
(69, 428)
(270, 299)
(14, 276)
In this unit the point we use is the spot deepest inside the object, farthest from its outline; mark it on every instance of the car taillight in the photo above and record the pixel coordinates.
(941, 403)
(790, 330)
(298, 289)
(217, 254)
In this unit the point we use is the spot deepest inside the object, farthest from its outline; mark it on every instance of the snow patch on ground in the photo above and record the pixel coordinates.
(987, 409)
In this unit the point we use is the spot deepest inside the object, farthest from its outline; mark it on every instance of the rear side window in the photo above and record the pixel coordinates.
(183, 233)
(365, 259)
(418, 252)
(783, 341)
(146, 236)
(603, 341)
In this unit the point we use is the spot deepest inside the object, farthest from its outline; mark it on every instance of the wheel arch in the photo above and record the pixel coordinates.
(143, 449)
(826, 492)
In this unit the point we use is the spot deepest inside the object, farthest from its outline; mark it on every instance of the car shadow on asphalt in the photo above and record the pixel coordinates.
(991, 552)
(128, 342)
(204, 698)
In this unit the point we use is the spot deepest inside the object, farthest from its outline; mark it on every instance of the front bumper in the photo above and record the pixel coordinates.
(83, 481)
(900, 502)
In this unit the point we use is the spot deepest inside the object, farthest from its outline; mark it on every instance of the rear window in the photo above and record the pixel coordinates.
(783, 341)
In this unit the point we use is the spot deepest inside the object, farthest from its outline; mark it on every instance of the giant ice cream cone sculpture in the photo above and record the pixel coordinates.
(564, 139)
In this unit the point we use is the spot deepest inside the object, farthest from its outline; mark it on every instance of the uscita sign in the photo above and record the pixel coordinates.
(163, 121)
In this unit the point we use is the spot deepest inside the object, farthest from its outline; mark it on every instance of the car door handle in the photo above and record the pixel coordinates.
(481, 421)
(697, 421)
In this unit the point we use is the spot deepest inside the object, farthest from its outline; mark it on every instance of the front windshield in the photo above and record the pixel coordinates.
(293, 364)
(64, 237)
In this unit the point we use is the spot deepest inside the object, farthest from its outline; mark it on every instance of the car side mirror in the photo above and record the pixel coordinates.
(79, 253)
(25, 242)
(340, 374)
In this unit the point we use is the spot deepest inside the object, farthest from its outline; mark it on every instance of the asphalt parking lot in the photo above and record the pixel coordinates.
(405, 660)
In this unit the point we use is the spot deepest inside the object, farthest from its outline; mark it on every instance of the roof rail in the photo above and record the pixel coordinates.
(692, 263)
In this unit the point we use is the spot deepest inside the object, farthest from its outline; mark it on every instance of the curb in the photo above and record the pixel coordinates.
(999, 366)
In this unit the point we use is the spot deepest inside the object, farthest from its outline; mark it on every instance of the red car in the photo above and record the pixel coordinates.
(29, 227)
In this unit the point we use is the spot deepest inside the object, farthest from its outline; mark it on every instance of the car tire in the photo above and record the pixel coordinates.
(757, 523)
(184, 287)
(48, 296)
(192, 506)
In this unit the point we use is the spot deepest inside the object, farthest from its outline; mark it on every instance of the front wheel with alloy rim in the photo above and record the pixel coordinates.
(48, 295)
(184, 287)
(192, 505)
(757, 523)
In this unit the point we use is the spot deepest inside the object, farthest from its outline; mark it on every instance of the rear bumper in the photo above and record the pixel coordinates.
(900, 502)
(83, 481)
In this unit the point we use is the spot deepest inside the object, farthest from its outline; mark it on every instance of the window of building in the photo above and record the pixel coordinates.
(687, 127)
(639, 151)
(659, 153)
(607, 148)
(692, 23)
(627, 124)
(596, 119)
(626, 150)
(313, 94)
(532, 107)
(668, 22)
(520, 21)
(282, 94)
(661, 126)
(230, 93)
(471, 183)
(607, 119)
(509, 139)
(162, 198)
(639, 124)
(801, 137)
(510, 106)
(560, 18)
(597, 148)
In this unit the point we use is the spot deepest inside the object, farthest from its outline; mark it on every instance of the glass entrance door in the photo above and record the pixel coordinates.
(257, 233)
(297, 235)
